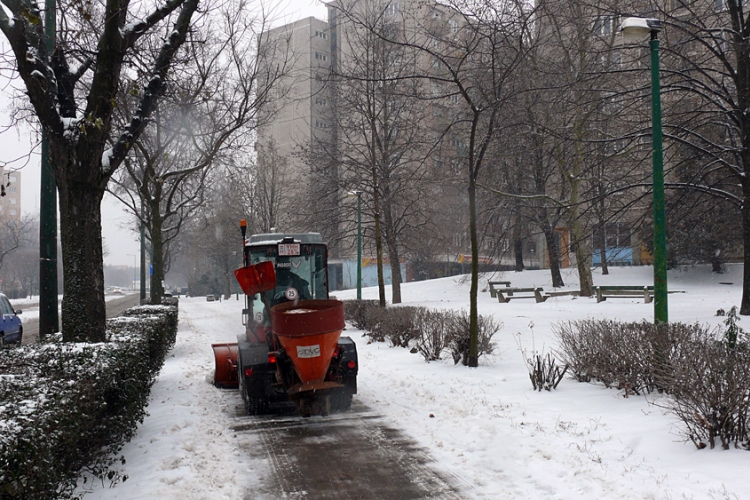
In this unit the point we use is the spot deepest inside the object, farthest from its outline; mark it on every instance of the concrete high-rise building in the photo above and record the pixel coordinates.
(293, 122)
(10, 201)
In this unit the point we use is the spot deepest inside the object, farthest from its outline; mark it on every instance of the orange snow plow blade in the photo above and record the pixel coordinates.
(257, 278)
(225, 374)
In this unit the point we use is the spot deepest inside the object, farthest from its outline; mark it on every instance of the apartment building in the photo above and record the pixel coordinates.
(10, 194)
(295, 120)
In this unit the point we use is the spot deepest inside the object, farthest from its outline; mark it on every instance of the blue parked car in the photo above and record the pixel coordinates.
(11, 328)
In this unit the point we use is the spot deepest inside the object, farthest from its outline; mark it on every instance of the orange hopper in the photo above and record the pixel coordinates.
(309, 331)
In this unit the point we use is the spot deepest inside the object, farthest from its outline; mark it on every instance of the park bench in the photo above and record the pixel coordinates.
(494, 286)
(561, 293)
(647, 292)
(505, 294)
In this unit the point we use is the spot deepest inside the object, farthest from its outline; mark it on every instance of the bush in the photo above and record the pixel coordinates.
(710, 385)
(435, 332)
(629, 356)
(355, 312)
(543, 372)
(397, 325)
(706, 372)
(459, 343)
(69, 407)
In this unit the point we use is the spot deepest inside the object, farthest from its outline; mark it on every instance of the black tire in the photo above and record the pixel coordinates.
(253, 405)
(256, 406)
(2, 340)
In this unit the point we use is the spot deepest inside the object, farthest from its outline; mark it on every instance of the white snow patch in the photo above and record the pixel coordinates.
(485, 425)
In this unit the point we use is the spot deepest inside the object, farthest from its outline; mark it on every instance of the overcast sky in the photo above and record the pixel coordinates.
(121, 243)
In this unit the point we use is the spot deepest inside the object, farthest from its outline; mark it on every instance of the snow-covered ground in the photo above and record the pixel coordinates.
(485, 425)
(30, 306)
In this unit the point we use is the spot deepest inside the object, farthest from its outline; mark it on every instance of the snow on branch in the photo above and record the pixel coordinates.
(155, 87)
(131, 32)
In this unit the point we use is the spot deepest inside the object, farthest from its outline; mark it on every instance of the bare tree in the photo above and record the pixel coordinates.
(382, 140)
(474, 50)
(206, 118)
(14, 234)
(73, 91)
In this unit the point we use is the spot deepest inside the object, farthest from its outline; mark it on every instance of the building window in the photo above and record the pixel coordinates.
(13, 201)
(391, 10)
(604, 25)
(321, 101)
(321, 124)
(12, 189)
(454, 25)
(321, 34)
(320, 56)
(12, 178)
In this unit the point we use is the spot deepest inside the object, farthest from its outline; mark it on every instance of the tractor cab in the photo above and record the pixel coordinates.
(299, 262)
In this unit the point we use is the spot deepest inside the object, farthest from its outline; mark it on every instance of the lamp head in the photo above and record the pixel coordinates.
(637, 28)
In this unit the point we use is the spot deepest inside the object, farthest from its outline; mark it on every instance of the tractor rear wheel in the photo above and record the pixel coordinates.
(256, 406)
(253, 405)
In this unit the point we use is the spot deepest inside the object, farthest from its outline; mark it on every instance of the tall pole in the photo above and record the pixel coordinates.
(48, 311)
(143, 257)
(359, 245)
(661, 313)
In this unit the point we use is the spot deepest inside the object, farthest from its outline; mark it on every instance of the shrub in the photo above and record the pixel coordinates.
(543, 372)
(435, 331)
(706, 372)
(630, 356)
(397, 325)
(459, 343)
(69, 407)
(355, 312)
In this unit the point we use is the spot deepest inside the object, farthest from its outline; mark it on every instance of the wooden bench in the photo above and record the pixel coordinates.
(645, 292)
(561, 293)
(494, 286)
(505, 294)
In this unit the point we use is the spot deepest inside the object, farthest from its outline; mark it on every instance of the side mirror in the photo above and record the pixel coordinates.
(257, 278)
(18, 311)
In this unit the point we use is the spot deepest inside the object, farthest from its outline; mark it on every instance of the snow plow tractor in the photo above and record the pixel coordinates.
(292, 349)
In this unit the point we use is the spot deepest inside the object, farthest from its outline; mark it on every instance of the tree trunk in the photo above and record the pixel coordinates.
(393, 257)
(602, 244)
(157, 255)
(376, 207)
(745, 303)
(583, 261)
(518, 252)
(553, 250)
(473, 360)
(83, 308)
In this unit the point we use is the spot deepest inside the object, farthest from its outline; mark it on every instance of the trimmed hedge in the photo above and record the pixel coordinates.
(67, 408)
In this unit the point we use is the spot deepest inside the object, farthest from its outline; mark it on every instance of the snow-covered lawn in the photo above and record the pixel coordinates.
(485, 425)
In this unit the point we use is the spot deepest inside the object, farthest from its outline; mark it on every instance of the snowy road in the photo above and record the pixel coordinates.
(356, 454)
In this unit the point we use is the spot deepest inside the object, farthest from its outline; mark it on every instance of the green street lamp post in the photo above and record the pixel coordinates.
(635, 27)
(358, 194)
(48, 309)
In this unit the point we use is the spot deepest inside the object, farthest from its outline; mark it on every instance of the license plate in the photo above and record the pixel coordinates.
(288, 249)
